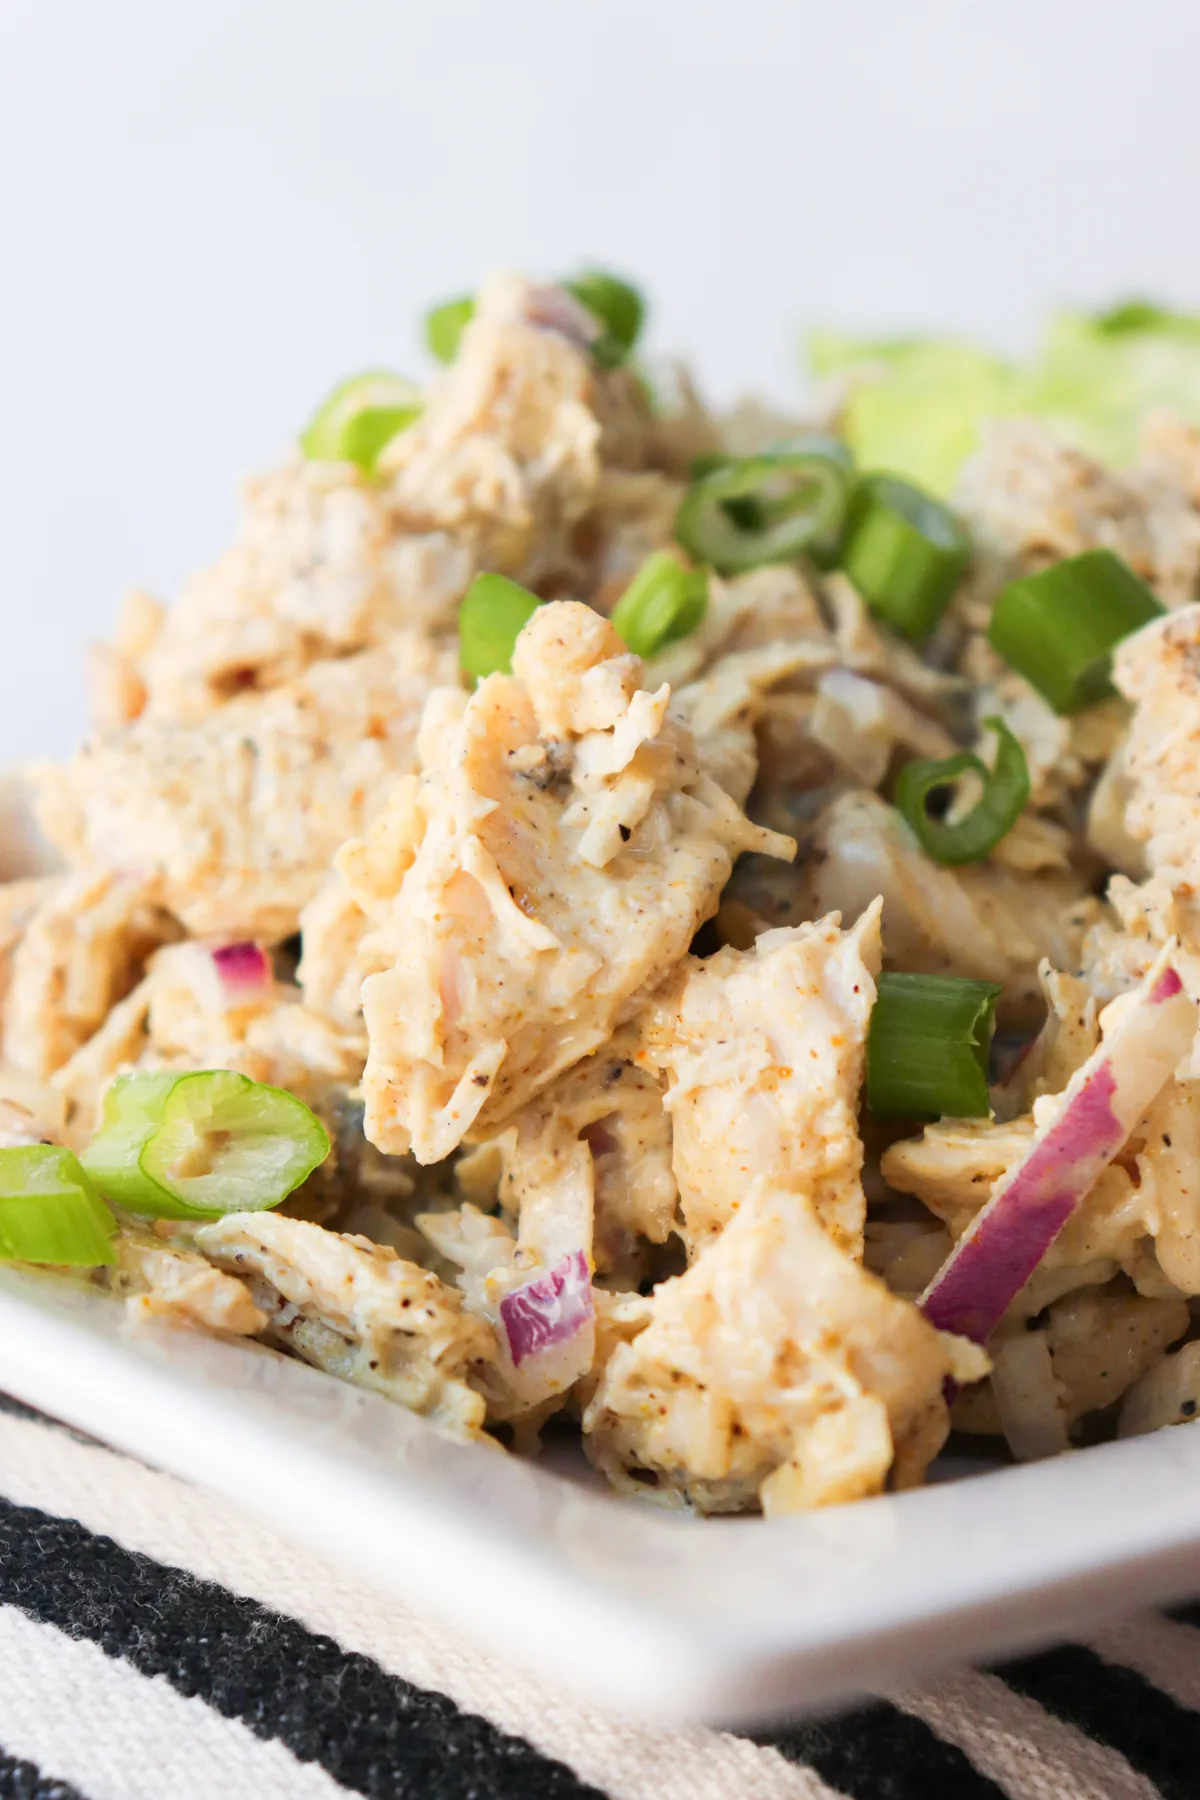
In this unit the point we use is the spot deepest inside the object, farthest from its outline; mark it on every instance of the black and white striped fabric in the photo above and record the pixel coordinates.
(156, 1644)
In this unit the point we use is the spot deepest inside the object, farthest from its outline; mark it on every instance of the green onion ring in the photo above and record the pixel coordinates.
(201, 1143)
(1005, 795)
(445, 324)
(1058, 628)
(663, 602)
(927, 1047)
(490, 620)
(904, 551)
(50, 1211)
(619, 308)
(762, 509)
(360, 417)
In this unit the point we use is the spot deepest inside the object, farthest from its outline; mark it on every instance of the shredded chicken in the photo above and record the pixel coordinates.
(775, 1370)
(356, 1309)
(81, 946)
(571, 846)
(239, 815)
(163, 1281)
(587, 1035)
(983, 920)
(322, 568)
(763, 1053)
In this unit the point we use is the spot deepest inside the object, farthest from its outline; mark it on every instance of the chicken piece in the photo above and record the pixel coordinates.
(1106, 831)
(20, 901)
(240, 815)
(507, 453)
(594, 1149)
(1031, 500)
(1062, 753)
(571, 847)
(723, 708)
(340, 944)
(1148, 1226)
(981, 920)
(867, 648)
(1169, 1183)
(862, 723)
(159, 1280)
(355, 1309)
(1068, 1037)
(321, 568)
(80, 951)
(763, 1053)
(777, 1371)
(953, 1165)
(1101, 1343)
(1159, 670)
(175, 1019)
(633, 514)
(755, 611)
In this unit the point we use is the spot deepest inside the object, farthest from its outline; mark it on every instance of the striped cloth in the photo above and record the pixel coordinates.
(157, 1644)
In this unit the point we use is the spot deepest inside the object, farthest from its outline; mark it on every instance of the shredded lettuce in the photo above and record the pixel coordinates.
(916, 406)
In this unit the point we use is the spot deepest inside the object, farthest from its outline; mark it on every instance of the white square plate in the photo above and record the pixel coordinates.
(723, 1619)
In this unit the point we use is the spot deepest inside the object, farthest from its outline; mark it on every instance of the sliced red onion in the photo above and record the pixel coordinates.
(549, 1310)
(553, 309)
(1029, 1206)
(244, 971)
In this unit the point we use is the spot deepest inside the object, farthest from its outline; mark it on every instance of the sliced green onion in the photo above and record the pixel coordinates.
(1005, 793)
(197, 1145)
(763, 509)
(50, 1211)
(1059, 628)
(445, 324)
(360, 417)
(904, 551)
(927, 1048)
(493, 612)
(664, 601)
(619, 308)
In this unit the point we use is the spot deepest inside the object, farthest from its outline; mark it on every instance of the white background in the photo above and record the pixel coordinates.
(209, 212)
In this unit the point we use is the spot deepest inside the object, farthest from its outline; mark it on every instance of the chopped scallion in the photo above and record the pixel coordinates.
(1058, 628)
(618, 307)
(927, 1048)
(360, 418)
(1005, 793)
(763, 509)
(904, 551)
(445, 324)
(50, 1211)
(493, 611)
(664, 601)
(197, 1145)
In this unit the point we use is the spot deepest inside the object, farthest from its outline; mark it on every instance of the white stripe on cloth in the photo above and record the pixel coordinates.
(166, 1519)
(1159, 1649)
(1025, 1750)
(93, 1720)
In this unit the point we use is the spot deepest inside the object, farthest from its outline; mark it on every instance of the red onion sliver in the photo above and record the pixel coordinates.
(1104, 1100)
(243, 968)
(550, 1309)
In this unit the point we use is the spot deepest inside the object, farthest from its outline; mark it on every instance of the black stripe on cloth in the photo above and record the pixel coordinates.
(22, 1781)
(376, 1734)
(878, 1752)
(1119, 1708)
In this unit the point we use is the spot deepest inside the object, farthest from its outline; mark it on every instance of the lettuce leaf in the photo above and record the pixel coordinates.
(916, 406)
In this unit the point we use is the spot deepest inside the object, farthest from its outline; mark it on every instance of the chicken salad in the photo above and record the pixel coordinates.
(595, 914)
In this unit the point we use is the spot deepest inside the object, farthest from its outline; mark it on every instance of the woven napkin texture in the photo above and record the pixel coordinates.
(158, 1644)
